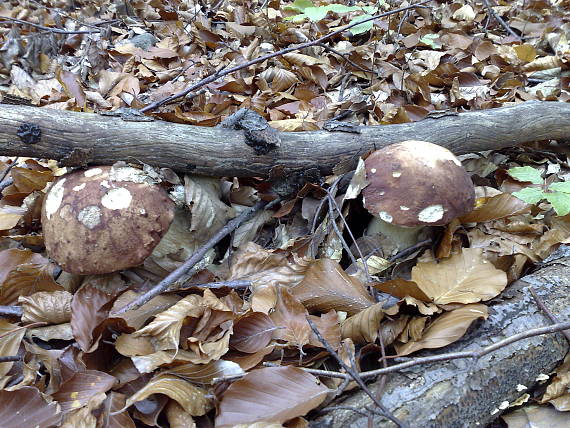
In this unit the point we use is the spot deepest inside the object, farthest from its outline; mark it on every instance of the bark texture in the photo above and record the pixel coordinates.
(467, 393)
(84, 138)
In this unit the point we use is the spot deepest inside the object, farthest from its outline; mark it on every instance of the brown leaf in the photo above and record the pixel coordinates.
(89, 308)
(329, 327)
(327, 286)
(109, 419)
(271, 395)
(252, 332)
(363, 327)
(206, 373)
(401, 288)
(496, 207)
(466, 277)
(23, 273)
(290, 315)
(81, 387)
(446, 329)
(136, 318)
(10, 338)
(178, 417)
(27, 180)
(192, 398)
(25, 407)
(51, 308)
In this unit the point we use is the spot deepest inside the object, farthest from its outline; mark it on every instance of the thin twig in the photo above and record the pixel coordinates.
(543, 308)
(281, 52)
(11, 311)
(355, 376)
(238, 283)
(10, 358)
(500, 20)
(195, 258)
(50, 29)
(554, 328)
(412, 249)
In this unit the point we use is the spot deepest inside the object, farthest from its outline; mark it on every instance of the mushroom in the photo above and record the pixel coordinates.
(414, 184)
(104, 219)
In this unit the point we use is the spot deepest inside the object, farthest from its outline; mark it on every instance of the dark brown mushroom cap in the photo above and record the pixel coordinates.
(417, 183)
(104, 219)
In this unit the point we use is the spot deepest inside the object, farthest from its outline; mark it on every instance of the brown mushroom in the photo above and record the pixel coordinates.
(104, 219)
(413, 184)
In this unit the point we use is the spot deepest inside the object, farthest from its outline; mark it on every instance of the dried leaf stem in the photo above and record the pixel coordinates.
(500, 20)
(196, 257)
(355, 376)
(281, 52)
(543, 308)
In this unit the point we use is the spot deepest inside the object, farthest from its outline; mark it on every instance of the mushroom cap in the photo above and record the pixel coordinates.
(104, 219)
(416, 183)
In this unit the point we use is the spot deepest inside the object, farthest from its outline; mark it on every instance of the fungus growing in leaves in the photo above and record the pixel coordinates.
(413, 184)
(104, 219)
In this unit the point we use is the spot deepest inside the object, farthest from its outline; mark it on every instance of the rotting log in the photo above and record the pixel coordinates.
(467, 393)
(85, 138)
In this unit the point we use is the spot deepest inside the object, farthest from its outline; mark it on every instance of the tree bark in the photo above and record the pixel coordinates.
(84, 138)
(465, 393)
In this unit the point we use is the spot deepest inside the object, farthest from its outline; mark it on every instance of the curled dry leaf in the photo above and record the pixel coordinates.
(178, 417)
(329, 327)
(401, 288)
(496, 207)
(109, 418)
(363, 327)
(10, 338)
(272, 395)
(25, 407)
(446, 329)
(291, 318)
(136, 318)
(463, 278)
(327, 286)
(206, 373)
(23, 273)
(89, 308)
(252, 332)
(190, 397)
(265, 269)
(51, 308)
(81, 387)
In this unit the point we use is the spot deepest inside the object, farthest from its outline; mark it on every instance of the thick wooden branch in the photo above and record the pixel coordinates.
(94, 139)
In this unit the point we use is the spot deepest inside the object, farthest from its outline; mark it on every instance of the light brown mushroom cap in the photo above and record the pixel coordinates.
(417, 183)
(104, 219)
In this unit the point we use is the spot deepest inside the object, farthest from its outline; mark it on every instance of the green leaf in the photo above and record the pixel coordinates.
(315, 14)
(530, 195)
(525, 173)
(340, 8)
(560, 202)
(361, 28)
(432, 40)
(296, 18)
(299, 5)
(563, 186)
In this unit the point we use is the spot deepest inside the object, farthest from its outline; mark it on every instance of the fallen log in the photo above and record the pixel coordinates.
(467, 393)
(84, 138)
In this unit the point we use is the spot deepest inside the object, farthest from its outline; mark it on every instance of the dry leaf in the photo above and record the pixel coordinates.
(363, 327)
(463, 278)
(446, 329)
(271, 394)
(51, 308)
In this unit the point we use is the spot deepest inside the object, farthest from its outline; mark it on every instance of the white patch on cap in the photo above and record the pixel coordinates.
(396, 174)
(105, 183)
(431, 214)
(80, 187)
(430, 153)
(117, 199)
(90, 216)
(54, 197)
(404, 208)
(128, 173)
(373, 170)
(385, 216)
(92, 172)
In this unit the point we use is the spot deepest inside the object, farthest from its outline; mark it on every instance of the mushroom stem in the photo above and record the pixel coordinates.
(401, 236)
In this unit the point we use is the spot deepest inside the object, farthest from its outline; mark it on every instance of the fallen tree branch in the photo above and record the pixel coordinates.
(447, 392)
(83, 138)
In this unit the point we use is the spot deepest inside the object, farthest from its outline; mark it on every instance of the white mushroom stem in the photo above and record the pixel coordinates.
(401, 236)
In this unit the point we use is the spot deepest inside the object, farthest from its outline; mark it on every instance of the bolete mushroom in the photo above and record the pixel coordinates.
(413, 184)
(104, 219)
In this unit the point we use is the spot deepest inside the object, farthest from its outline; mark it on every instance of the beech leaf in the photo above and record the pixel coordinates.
(271, 394)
